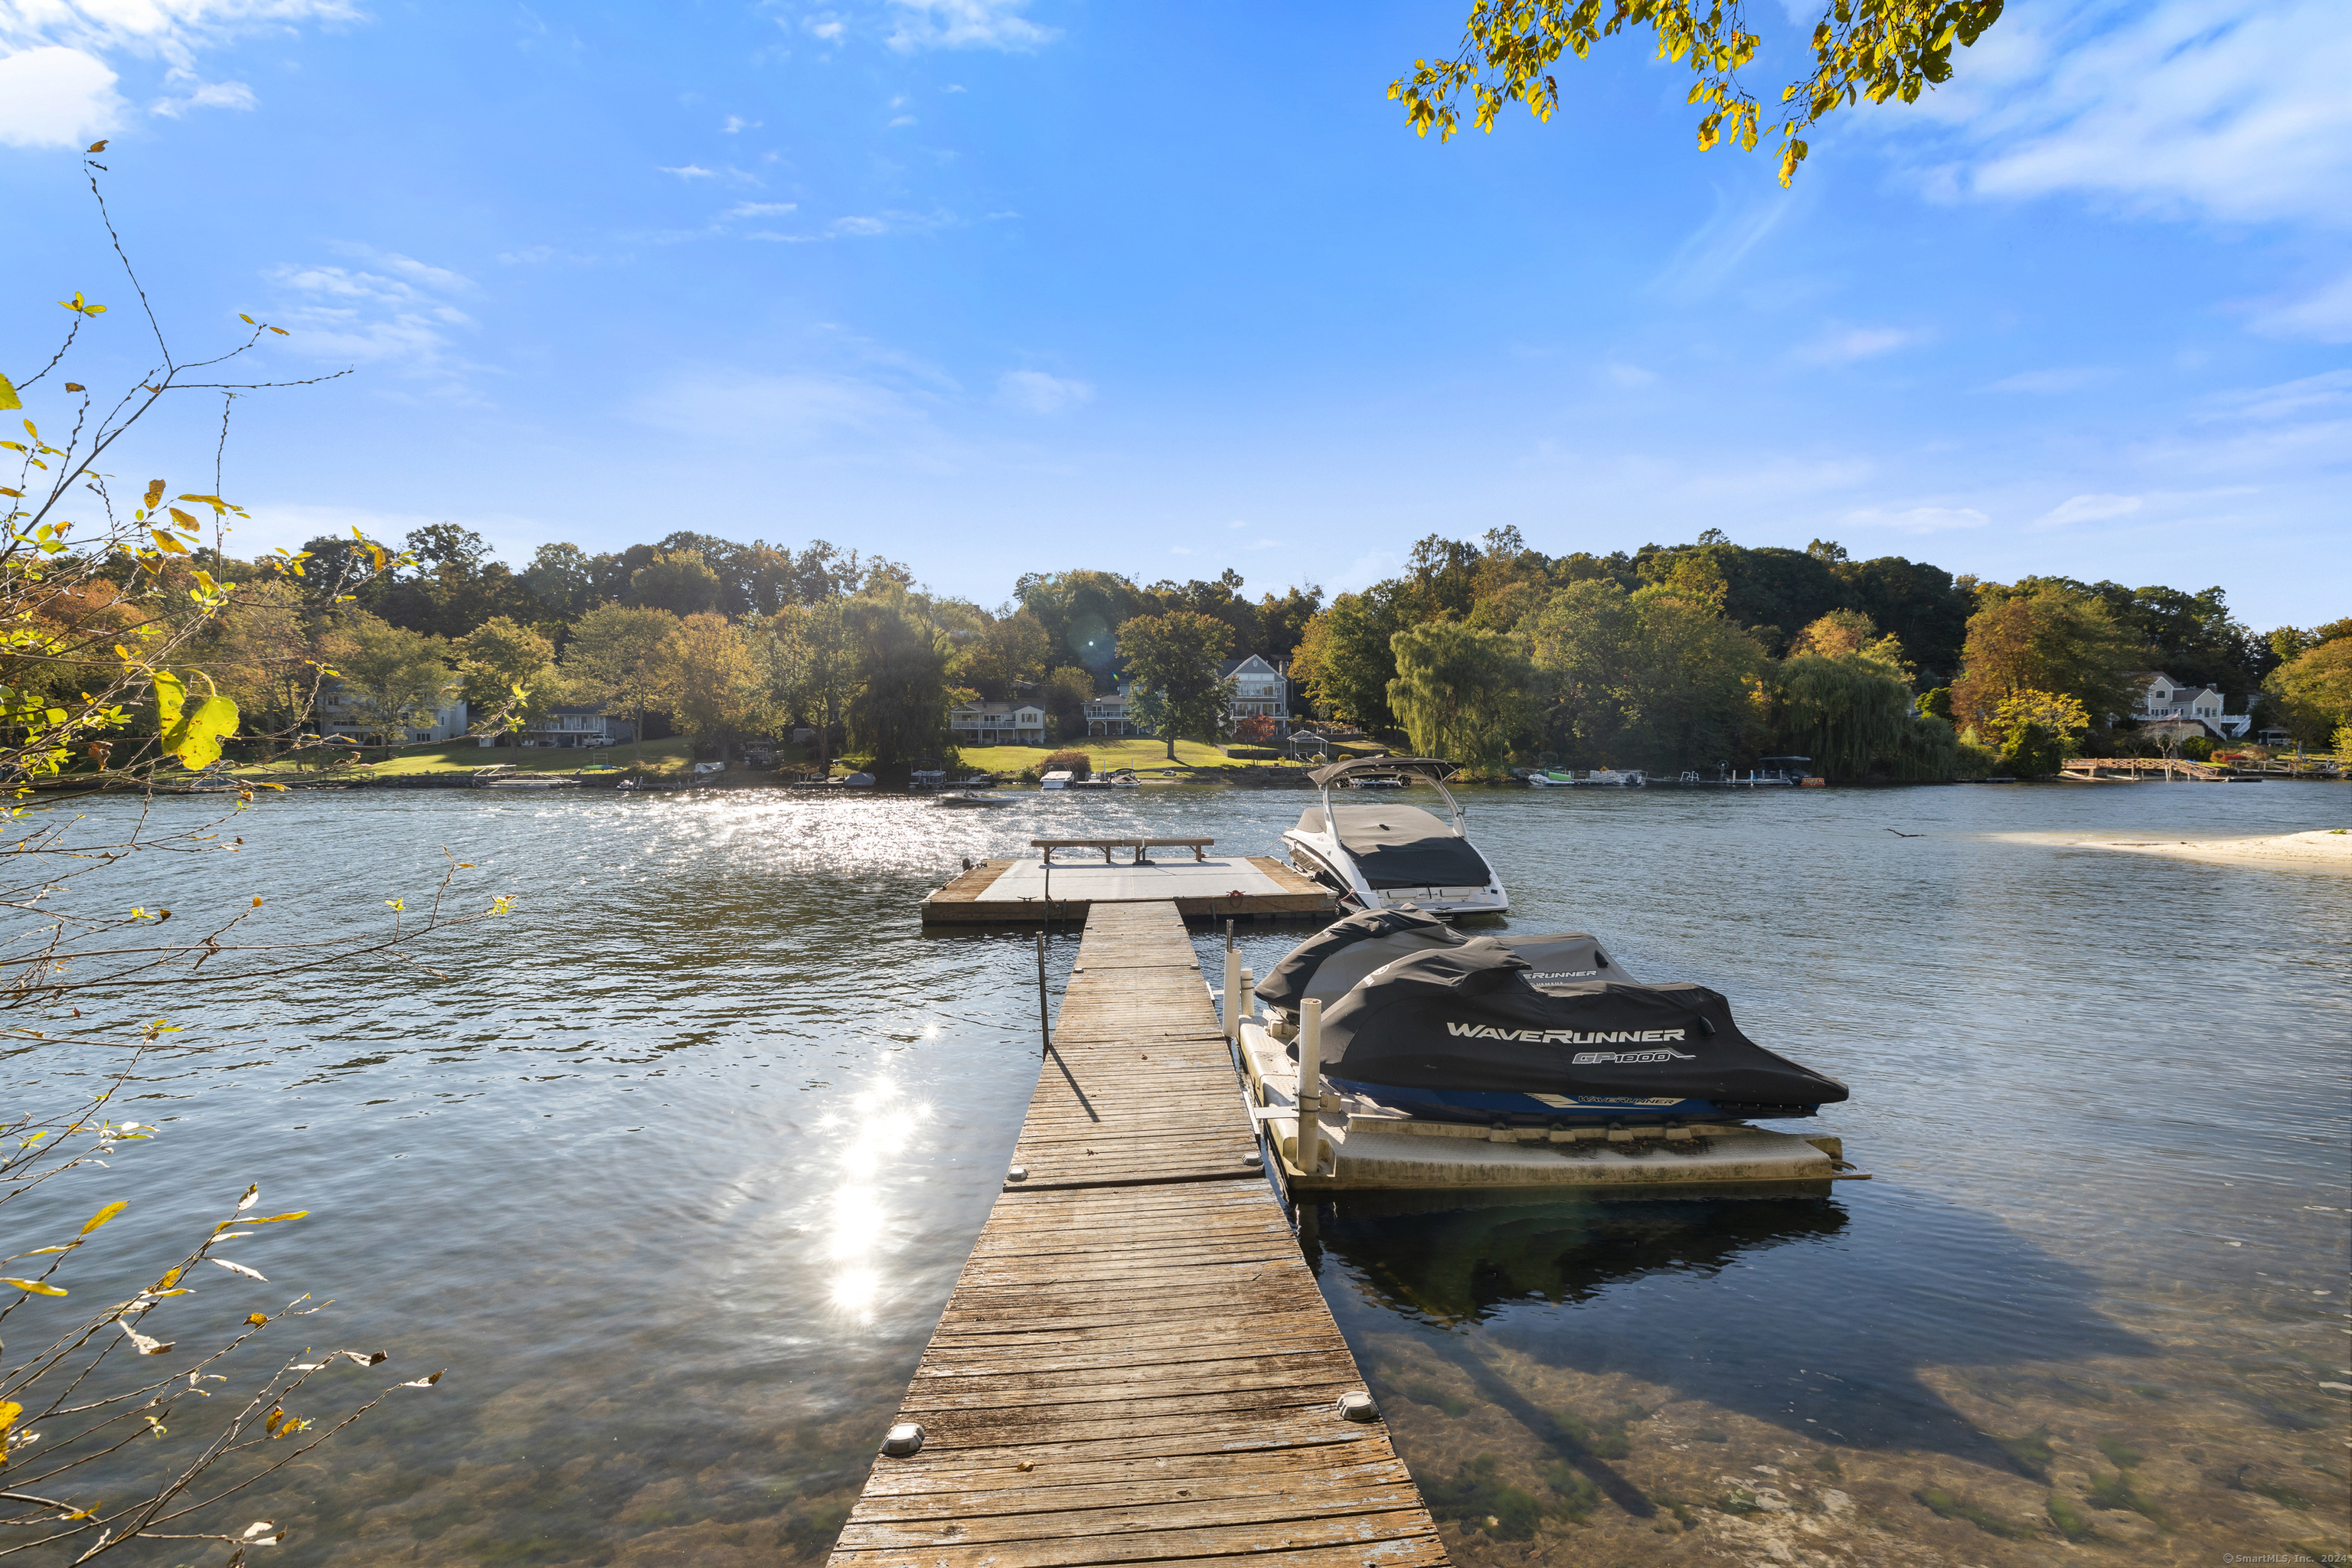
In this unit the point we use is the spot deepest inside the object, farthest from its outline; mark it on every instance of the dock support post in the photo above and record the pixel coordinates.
(1232, 986)
(1310, 1084)
(1249, 1001)
(1044, 1024)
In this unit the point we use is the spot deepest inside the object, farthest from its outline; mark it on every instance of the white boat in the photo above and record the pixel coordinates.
(1060, 778)
(1551, 778)
(1375, 853)
(1632, 778)
(966, 799)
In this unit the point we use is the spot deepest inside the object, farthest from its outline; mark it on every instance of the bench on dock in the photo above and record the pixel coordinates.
(1142, 847)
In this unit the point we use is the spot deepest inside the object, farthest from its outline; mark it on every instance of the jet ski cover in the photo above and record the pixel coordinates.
(1370, 938)
(1327, 965)
(1468, 1018)
(1402, 847)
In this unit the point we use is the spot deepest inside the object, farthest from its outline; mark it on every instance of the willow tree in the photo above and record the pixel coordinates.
(1841, 710)
(1460, 691)
(1874, 49)
(1652, 678)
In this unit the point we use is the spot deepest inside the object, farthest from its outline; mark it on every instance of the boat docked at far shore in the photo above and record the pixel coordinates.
(1564, 778)
(1373, 855)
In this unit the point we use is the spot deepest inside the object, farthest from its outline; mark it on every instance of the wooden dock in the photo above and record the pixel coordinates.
(1232, 887)
(1136, 1365)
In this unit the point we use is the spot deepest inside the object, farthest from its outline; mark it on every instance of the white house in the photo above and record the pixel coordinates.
(1113, 715)
(1260, 691)
(340, 714)
(2169, 700)
(998, 724)
(568, 727)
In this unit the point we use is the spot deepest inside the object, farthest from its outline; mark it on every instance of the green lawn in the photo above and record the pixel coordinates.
(670, 756)
(1141, 753)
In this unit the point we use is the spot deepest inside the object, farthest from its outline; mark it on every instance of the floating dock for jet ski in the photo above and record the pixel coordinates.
(1438, 1061)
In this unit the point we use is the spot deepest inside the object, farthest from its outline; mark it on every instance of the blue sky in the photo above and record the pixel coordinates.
(992, 286)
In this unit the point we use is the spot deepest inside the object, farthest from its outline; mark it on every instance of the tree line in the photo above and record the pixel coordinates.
(1496, 654)
(1711, 653)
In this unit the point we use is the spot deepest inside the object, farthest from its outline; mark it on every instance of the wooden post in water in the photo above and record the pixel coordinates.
(1233, 1019)
(1310, 1084)
(1045, 1025)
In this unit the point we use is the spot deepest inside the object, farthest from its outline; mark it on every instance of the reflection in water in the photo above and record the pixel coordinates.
(677, 1168)
(1428, 1256)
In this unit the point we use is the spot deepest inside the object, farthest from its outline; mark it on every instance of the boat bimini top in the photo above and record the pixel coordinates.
(1379, 855)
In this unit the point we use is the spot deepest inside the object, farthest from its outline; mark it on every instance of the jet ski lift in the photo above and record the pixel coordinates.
(1440, 1061)
(1374, 855)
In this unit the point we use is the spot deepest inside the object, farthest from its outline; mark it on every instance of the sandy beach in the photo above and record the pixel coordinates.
(2322, 849)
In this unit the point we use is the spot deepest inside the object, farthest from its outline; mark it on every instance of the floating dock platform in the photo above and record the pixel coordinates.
(1136, 1367)
(1219, 887)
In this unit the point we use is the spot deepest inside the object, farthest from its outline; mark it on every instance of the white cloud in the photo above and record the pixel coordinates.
(692, 172)
(56, 86)
(2330, 391)
(1035, 392)
(2228, 109)
(872, 226)
(2050, 382)
(1918, 519)
(736, 124)
(762, 209)
(2088, 509)
(1633, 375)
(51, 96)
(1238, 522)
(1178, 550)
(966, 24)
(394, 314)
(2323, 315)
(1846, 345)
(205, 95)
(827, 27)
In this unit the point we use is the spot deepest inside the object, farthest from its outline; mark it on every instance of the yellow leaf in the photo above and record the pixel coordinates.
(183, 519)
(154, 493)
(9, 1411)
(256, 1319)
(8, 394)
(101, 1217)
(33, 1286)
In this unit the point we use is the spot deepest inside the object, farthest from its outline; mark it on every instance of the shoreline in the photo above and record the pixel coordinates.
(2320, 849)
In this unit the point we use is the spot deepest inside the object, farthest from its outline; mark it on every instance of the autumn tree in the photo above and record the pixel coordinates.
(712, 680)
(1068, 691)
(2044, 636)
(2310, 696)
(1346, 658)
(508, 668)
(1175, 659)
(390, 676)
(1872, 49)
(898, 706)
(615, 659)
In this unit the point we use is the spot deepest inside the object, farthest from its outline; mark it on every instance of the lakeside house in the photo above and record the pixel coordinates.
(343, 715)
(1110, 715)
(569, 727)
(1260, 690)
(2172, 707)
(998, 724)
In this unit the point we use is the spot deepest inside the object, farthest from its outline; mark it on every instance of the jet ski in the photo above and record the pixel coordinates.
(1379, 855)
(1420, 1021)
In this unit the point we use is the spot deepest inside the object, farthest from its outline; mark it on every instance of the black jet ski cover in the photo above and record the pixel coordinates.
(1468, 1018)
(1327, 965)
(1390, 933)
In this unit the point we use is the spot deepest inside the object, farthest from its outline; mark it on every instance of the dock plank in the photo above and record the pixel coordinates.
(1136, 1365)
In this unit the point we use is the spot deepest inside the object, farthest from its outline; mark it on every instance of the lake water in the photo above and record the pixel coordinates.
(674, 1167)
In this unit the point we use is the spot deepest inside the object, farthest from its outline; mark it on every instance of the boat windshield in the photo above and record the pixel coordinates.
(1398, 846)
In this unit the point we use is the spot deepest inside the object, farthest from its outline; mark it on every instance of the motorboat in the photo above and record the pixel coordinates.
(1122, 778)
(966, 799)
(1440, 1060)
(1060, 778)
(927, 774)
(1551, 778)
(1630, 778)
(1373, 855)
